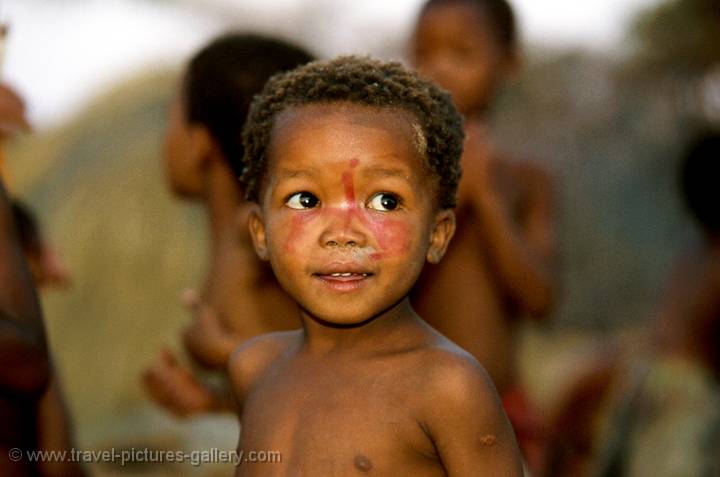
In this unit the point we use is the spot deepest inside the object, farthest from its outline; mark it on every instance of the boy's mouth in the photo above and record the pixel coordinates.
(343, 277)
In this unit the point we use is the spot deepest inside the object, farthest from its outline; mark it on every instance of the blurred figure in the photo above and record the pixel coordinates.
(46, 267)
(658, 412)
(28, 387)
(498, 266)
(54, 426)
(12, 121)
(203, 147)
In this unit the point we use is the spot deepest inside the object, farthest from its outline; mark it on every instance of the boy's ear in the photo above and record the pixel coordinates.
(442, 232)
(256, 226)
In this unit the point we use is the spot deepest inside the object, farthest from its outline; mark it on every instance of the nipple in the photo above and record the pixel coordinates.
(362, 463)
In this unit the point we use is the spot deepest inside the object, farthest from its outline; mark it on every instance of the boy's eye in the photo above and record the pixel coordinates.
(383, 202)
(302, 200)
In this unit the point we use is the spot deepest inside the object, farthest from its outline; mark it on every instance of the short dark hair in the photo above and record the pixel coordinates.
(699, 172)
(501, 18)
(366, 82)
(222, 78)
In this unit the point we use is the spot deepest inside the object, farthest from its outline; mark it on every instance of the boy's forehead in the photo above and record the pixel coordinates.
(359, 114)
(311, 125)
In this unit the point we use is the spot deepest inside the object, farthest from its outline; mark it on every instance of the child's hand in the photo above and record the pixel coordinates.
(176, 389)
(206, 339)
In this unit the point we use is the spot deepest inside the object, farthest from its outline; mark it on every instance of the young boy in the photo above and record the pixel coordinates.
(498, 267)
(353, 165)
(240, 297)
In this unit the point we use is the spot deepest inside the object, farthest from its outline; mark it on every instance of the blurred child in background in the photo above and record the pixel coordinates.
(240, 297)
(498, 268)
(653, 408)
(32, 406)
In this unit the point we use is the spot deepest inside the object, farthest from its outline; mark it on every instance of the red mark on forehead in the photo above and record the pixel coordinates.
(347, 180)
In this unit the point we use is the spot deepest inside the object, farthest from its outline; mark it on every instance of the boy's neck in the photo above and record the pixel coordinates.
(224, 199)
(391, 326)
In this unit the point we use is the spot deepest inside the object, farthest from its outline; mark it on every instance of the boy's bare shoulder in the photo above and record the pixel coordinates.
(253, 357)
(453, 373)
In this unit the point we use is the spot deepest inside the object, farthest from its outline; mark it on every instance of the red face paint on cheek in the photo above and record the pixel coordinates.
(297, 229)
(392, 236)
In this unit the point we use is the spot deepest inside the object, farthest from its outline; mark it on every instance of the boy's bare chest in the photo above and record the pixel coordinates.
(336, 425)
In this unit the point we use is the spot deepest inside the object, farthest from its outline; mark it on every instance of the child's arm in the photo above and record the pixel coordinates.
(467, 424)
(523, 250)
(177, 390)
(23, 349)
(206, 339)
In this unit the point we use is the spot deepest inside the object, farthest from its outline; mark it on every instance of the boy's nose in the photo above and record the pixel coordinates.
(343, 232)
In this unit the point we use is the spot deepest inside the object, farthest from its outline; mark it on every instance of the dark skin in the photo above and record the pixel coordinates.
(32, 406)
(23, 351)
(347, 217)
(240, 298)
(498, 267)
(25, 369)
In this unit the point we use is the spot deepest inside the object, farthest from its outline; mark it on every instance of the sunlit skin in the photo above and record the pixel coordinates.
(498, 267)
(348, 228)
(347, 217)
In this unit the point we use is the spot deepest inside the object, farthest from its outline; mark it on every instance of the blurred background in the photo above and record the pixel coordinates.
(608, 93)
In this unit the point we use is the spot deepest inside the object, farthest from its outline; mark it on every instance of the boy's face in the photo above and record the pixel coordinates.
(348, 210)
(181, 165)
(455, 46)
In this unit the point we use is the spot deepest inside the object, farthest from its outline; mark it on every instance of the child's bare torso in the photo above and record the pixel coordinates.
(342, 413)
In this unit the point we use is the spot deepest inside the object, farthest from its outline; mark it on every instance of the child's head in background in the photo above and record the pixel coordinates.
(468, 47)
(698, 180)
(208, 114)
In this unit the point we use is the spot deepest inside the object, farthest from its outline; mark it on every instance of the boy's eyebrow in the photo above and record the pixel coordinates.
(387, 172)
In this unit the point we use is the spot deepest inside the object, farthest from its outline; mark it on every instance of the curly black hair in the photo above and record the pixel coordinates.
(699, 170)
(500, 16)
(222, 78)
(366, 82)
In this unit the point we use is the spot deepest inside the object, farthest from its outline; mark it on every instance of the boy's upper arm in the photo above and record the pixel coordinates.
(468, 425)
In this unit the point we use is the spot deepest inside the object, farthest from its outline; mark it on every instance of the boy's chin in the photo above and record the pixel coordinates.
(353, 321)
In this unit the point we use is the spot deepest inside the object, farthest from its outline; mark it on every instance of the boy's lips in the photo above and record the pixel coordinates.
(344, 276)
